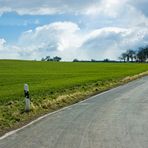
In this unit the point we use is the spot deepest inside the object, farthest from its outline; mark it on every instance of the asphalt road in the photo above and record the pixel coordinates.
(115, 119)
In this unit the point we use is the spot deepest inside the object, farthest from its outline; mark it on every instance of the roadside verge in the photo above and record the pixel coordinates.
(68, 97)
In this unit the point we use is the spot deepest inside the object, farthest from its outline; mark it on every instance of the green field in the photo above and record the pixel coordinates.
(51, 79)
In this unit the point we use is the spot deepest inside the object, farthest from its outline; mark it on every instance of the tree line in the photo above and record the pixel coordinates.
(55, 59)
(140, 55)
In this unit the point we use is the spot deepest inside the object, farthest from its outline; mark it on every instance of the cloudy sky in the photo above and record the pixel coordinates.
(83, 29)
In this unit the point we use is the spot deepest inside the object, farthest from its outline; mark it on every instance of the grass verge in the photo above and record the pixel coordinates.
(13, 115)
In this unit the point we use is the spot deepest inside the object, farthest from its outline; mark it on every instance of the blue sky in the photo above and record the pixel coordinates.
(86, 29)
(12, 24)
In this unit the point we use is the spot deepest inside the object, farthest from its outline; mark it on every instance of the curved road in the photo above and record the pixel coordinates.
(115, 119)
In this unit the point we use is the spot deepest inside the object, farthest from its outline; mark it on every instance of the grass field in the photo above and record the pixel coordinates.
(47, 80)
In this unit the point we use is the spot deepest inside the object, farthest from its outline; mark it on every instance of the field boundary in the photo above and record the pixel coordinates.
(80, 98)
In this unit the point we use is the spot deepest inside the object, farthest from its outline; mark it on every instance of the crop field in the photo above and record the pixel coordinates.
(47, 79)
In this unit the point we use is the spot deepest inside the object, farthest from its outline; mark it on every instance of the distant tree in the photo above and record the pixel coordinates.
(123, 56)
(42, 59)
(135, 56)
(75, 60)
(106, 60)
(93, 60)
(57, 59)
(127, 56)
(51, 59)
(142, 54)
(47, 58)
(130, 54)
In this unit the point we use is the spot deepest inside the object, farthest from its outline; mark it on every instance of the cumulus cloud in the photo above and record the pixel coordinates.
(2, 42)
(111, 8)
(44, 7)
(110, 42)
(67, 39)
(140, 5)
(107, 28)
(8, 51)
(54, 38)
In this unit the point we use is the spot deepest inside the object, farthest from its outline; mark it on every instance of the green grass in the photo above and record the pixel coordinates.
(47, 80)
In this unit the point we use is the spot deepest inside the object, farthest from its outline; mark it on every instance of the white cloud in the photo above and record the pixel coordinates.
(111, 8)
(67, 40)
(8, 51)
(107, 28)
(2, 42)
(54, 38)
(140, 5)
(44, 7)
(48, 35)
(111, 42)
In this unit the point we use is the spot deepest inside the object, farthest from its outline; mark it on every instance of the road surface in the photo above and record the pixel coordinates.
(115, 119)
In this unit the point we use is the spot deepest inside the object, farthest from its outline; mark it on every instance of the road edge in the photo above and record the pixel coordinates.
(124, 81)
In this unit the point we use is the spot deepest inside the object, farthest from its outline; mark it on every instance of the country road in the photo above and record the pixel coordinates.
(115, 119)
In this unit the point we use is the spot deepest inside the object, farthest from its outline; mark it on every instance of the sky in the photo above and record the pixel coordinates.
(82, 29)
